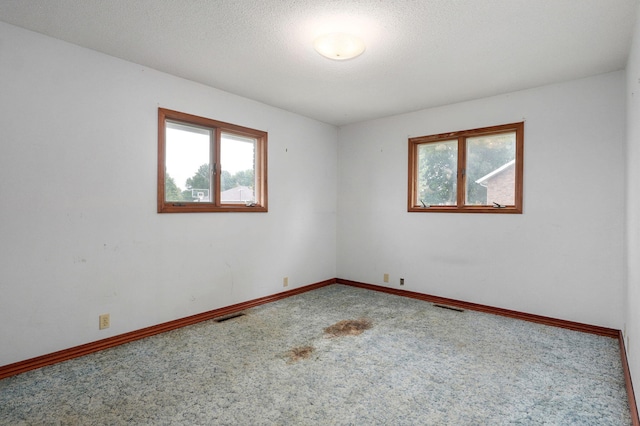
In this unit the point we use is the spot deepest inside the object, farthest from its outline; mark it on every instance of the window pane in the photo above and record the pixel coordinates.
(490, 176)
(437, 173)
(237, 179)
(187, 163)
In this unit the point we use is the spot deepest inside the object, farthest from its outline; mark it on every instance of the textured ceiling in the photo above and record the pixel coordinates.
(420, 53)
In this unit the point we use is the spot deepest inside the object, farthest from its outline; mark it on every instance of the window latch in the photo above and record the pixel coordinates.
(424, 205)
(498, 206)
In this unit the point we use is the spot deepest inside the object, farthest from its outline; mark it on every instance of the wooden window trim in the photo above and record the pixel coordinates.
(219, 127)
(413, 204)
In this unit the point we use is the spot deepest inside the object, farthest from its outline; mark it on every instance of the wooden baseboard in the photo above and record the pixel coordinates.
(586, 328)
(633, 408)
(78, 351)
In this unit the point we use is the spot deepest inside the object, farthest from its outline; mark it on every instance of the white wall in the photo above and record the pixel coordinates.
(79, 232)
(562, 258)
(632, 336)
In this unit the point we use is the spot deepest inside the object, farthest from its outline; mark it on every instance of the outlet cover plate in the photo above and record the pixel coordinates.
(104, 321)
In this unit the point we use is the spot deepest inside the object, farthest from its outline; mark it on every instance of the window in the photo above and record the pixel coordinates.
(209, 166)
(471, 171)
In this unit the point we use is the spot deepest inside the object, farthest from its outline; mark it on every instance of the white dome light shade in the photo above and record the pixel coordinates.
(339, 46)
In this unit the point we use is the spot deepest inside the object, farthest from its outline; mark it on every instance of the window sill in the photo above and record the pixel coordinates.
(203, 208)
(466, 209)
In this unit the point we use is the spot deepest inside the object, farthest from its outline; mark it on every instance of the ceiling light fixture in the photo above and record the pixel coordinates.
(339, 46)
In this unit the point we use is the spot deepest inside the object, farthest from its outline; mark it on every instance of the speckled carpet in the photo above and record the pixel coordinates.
(333, 356)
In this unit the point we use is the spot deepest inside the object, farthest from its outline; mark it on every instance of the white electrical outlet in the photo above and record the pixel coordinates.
(386, 278)
(104, 321)
(285, 281)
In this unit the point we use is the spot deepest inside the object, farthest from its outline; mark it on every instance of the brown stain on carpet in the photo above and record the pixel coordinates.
(301, 352)
(348, 327)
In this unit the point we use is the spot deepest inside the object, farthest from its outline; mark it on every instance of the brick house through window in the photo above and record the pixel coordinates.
(500, 184)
